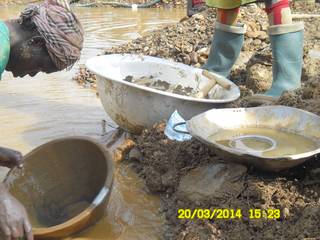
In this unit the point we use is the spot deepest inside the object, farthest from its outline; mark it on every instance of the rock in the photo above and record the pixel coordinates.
(118, 144)
(198, 16)
(152, 52)
(202, 60)
(186, 59)
(252, 34)
(317, 35)
(204, 51)
(310, 68)
(262, 35)
(187, 48)
(153, 180)
(247, 44)
(169, 179)
(257, 42)
(135, 154)
(194, 57)
(253, 26)
(315, 172)
(259, 77)
(286, 213)
(120, 152)
(212, 181)
(146, 49)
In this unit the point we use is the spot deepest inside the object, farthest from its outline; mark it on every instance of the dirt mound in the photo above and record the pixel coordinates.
(164, 175)
(189, 42)
(306, 98)
(164, 164)
(295, 193)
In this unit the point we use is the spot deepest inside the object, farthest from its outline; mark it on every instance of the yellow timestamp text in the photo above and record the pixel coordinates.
(226, 213)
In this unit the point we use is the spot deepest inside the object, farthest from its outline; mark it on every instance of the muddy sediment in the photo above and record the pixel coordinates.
(154, 83)
(167, 166)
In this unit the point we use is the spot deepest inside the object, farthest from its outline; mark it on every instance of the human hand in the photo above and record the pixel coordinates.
(10, 158)
(14, 223)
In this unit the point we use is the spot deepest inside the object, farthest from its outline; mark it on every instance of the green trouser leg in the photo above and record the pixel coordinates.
(225, 48)
(287, 49)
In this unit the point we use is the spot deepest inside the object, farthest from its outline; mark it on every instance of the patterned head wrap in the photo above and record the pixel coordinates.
(61, 30)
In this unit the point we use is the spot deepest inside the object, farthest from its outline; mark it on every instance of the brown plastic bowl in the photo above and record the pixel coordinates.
(65, 186)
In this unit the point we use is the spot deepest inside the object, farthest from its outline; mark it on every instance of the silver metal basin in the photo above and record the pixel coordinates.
(134, 107)
(279, 118)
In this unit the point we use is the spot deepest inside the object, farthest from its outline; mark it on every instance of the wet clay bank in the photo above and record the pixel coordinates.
(189, 175)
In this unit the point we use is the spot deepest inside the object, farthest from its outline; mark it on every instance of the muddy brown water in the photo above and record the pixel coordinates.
(36, 110)
(259, 141)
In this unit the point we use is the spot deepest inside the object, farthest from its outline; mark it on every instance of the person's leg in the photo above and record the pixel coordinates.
(228, 16)
(287, 48)
(278, 12)
(227, 42)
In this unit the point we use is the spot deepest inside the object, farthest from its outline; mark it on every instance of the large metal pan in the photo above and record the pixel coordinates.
(281, 118)
(134, 107)
(65, 186)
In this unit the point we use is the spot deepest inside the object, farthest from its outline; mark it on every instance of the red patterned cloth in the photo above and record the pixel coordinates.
(60, 29)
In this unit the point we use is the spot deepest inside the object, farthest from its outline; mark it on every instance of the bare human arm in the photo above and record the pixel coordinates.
(10, 158)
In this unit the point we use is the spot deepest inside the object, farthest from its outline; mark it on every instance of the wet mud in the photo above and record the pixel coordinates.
(167, 165)
(150, 81)
(73, 110)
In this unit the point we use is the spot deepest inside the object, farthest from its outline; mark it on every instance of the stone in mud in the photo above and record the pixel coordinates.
(286, 213)
(259, 77)
(310, 67)
(252, 34)
(257, 42)
(204, 51)
(215, 181)
(315, 173)
(169, 179)
(118, 144)
(262, 35)
(128, 78)
(202, 60)
(135, 154)
(153, 179)
(194, 57)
